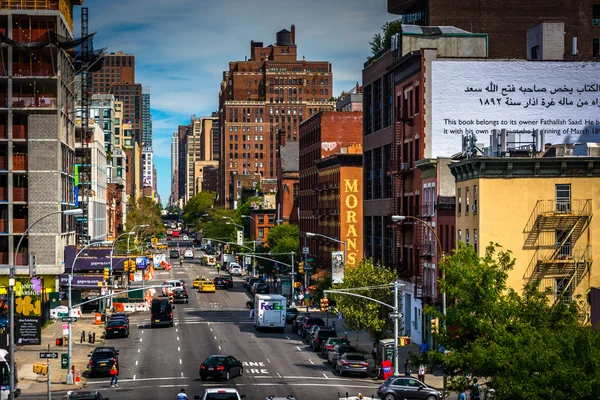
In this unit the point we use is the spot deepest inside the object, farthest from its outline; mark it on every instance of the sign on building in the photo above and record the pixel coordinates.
(337, 266)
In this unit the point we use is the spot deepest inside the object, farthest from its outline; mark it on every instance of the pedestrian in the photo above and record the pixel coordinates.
(421, 374)
(301, 298)
(424, 347)
(114, 376)
(462, 395)
(475, 391)
(374, 353)
(407, 367)
(251, 313)
(182, 395)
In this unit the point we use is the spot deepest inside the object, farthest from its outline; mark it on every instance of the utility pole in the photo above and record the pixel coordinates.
(293, 280)
(49, 380)
(305, 256)
(396, 329)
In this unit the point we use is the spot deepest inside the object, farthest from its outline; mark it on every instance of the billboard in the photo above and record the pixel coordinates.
(337, 267)
(141, 262)
(28, 330)
(476, 97)
(351, 211)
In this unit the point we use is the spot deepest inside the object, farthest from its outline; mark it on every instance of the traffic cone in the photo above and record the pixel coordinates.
(78, 379)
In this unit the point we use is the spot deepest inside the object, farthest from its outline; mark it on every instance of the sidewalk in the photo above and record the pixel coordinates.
(364, 343)
(26, 356)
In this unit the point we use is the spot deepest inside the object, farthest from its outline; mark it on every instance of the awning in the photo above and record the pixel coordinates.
(82, 281)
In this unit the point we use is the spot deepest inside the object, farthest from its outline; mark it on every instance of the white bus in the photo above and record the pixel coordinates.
(269, 311)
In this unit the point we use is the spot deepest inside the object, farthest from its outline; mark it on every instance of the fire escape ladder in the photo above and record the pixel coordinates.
(420, 253)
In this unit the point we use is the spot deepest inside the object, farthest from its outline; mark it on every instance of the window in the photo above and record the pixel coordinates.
(388, 178)
(596, 14)
(475, 199)
(534, 53)
(377, 103)
(475, 239)
(596, 48)
(563, 198)
(368, 174)
(261, 232)
(377, 173)
(261, 219)
(368, 110)
(467, 201)
(460, 235)
(459, 201)
(467, 237)
(388, 100)
(271, 219)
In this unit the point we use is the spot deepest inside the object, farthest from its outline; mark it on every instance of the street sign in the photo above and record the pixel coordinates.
(305, 250)
(309, 260)
(48, 355)
(69, 319)
(395, 316)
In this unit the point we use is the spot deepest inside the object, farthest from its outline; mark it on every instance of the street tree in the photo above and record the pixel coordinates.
(362, 313)
(381, 42)
(215, 226)
(197, 206)
(144, 211)
(525, 345)
(282, 231)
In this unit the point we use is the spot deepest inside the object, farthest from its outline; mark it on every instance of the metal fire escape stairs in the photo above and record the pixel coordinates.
(559, 233)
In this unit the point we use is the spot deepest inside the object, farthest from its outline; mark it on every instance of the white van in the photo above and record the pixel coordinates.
(5, 376)
(269, 311)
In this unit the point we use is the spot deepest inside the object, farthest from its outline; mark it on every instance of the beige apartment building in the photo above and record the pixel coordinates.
(198, 152)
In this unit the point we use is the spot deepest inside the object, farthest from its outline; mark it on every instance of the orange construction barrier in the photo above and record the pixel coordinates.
(119, 307)
(98, 319)
(78, 379)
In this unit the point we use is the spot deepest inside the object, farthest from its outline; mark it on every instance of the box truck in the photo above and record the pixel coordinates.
(269, 311)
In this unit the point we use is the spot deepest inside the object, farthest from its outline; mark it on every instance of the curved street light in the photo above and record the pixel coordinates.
(11, 295)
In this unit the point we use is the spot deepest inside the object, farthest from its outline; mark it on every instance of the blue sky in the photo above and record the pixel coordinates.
(182, 48)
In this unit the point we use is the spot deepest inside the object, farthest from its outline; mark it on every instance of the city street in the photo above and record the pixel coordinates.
(157, 363)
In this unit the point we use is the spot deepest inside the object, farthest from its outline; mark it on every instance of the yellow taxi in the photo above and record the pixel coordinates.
(198, 281)
(208, 286)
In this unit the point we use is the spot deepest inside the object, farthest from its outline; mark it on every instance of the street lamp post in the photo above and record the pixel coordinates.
(11, 296)
(134, 230)
(70, 307)
(398, 218)
(343, 242)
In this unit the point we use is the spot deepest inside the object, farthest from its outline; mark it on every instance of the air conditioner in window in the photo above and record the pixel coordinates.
(404, 166)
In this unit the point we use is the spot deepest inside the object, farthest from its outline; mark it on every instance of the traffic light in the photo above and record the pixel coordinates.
(106, 274)
(237, 259)
(435, 325)
(324, 305)
(301, 267)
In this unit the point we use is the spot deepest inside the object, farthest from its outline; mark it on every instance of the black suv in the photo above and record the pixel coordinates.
(262, 288)
(221, 283)
(180, 295)
(174, 254)
(321, 335)
(310, 322)
(102, 359)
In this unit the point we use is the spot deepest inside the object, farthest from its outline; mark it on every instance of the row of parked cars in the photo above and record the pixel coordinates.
(338, 351)
(256, 285)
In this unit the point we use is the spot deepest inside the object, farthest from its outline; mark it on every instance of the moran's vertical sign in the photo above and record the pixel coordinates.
(351, 214)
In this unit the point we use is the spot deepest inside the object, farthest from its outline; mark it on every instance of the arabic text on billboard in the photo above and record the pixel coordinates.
(476, 97)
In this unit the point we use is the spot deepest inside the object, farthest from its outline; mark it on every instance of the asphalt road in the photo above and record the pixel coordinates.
(157, 363)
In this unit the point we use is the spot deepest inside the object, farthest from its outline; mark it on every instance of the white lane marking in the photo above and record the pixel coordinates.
(219, 347)
(141, 340)
(215, 337)
(136, 362)
(139, 350)
(269, 361)
(182, 374)
(134, 377)
(142, 379)
(278, 375)
(177, 337)
(288, 338)
(179, 349)
(211, 329)
(299, 349)
(310, 361)
(175, 330)
(180, 361)
(142, 331)
(325, 376)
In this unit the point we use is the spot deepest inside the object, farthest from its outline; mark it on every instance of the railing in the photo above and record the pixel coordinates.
(19, 161)
(41, 102)
(564, 254)
(29, 4)
(549, 208)
(19, 131)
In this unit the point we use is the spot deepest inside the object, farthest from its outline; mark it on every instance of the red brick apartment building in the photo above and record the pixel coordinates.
(271, 90)
(506, 22)
(324, 134)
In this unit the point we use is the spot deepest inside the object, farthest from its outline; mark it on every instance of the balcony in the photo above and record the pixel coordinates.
(19, 162)
(20, 225)
(19, 131)
(42, 101)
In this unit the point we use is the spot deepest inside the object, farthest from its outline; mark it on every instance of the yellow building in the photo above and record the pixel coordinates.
(539, 208)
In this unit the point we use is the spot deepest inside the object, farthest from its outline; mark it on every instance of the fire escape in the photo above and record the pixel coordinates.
(424, 252)
(559, 232)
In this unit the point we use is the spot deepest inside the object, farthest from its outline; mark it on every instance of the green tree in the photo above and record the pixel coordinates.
(198, 205)
(525, 346)
(144, 212)
(362, 313)
(380, 42)
(280, 232)
(215, 226)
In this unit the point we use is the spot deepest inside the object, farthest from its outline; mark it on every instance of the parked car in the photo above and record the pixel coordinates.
(338, 350)
(120, 316)
(116, 327)
(310, 333)
(290, 315)
(396, 387)
(252, 282)
(322, 333)
(262, 288)
(180, 295)
(217, 366)
(309, 323)
(330, 343)
(352, 363)
(247, 282)
(84, 395)
(221, 394)
(297, 323)
(102, 359)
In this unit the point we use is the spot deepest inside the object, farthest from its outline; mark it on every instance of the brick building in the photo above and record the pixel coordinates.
(287, 181)
(210, 183)
(271, 90)
(37, 137)
(506, 22)
(322, 135)
(261, 220)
